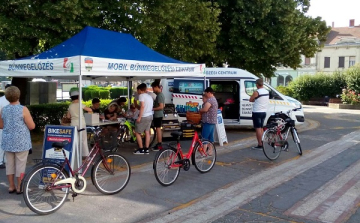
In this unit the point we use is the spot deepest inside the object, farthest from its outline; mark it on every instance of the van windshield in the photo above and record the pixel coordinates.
(189, 86)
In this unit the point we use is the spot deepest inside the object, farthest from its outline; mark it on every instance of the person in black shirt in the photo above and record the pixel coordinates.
(95, 105)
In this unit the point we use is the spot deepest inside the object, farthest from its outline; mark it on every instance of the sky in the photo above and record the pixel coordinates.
(338, 11)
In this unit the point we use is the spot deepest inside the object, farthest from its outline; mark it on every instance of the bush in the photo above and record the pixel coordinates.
(350, 97)
(87, 95)
(95, 93)
(47, 114)
(104, 94)
(352, 78)
(285, 90)
(116, 92)
(319, 85)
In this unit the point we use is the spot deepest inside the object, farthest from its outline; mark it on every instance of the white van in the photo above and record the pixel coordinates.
(233, 88)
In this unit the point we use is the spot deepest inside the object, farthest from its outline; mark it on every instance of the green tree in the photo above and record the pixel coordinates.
(185, 30)
(259, 35)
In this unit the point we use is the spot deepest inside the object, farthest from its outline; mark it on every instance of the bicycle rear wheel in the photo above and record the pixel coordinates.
(112, 177)
(271, 147)
(165, 174)
(38, 191)
(204, 156)
(296, 139)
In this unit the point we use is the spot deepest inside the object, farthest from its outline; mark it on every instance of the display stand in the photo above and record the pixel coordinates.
(58, 133)
(220, 129)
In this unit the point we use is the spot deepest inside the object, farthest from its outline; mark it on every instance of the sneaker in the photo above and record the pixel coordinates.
(2, 166)
(257, 147)
(146, 151)
(139, 152)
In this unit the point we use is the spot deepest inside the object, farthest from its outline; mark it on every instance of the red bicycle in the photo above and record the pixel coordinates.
(168, 161)
(47, 185)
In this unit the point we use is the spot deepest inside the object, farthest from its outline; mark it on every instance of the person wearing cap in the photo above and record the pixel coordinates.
(120, 102)
(75, 116)
(3, 103)
(209, 115)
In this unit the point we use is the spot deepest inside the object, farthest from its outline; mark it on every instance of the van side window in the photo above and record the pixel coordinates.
(250, 87)
(189, 86)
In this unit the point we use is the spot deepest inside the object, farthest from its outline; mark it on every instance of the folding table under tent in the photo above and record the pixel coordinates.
(97, 54)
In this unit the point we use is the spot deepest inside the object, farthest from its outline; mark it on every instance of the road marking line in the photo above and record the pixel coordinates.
(333, 198)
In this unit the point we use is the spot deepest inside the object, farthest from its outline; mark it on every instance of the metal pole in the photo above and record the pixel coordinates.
(80, 116)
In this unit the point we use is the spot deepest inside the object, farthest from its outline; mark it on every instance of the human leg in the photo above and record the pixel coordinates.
(10, 170)
(157, 125)
(2, 158)
(147, 123)
(139, 129)
(258, 121)
(20, 166)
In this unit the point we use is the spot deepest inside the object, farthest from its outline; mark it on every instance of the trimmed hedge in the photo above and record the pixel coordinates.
(319, 85)
(47, 114)
(116, 92)
(51, 114)
(104, 94)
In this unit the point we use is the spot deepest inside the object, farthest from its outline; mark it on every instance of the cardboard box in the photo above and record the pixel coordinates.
(91, 119)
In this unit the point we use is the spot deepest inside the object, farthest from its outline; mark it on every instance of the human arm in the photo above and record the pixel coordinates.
(141, 112)
(205, 108)
(254, 96)
(28, 119)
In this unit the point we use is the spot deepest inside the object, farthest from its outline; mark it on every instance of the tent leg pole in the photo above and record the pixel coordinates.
(80, 120)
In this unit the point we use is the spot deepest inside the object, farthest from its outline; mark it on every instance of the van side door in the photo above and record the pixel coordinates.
(247, 89)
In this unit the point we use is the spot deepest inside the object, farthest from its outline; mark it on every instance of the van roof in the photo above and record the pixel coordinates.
(227, 72)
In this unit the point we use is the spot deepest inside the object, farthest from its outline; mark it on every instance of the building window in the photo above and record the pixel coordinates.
(351, 61)
(327, 62)
(280, 81)
(307, 61)
(288, 79)
(341, 62)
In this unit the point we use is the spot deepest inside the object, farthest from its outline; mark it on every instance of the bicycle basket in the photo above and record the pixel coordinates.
(107, 140)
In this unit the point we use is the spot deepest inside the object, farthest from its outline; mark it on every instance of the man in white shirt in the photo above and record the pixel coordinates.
(143, 122)
(3, 103)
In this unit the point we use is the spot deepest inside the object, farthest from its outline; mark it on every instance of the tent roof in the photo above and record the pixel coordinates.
(106, 44)
(97, 54)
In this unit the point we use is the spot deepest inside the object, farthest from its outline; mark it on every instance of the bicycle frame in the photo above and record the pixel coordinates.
(74, 173)
(195, 140)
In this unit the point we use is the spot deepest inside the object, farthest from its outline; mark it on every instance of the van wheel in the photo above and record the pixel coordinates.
(280, 120)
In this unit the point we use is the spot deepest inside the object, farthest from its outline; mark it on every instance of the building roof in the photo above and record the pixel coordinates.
(343, 35)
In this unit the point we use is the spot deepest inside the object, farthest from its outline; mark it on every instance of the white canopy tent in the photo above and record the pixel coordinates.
(96, 54)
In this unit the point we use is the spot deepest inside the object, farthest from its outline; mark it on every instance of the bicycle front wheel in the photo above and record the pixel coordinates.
(271, 147)
(39, 193)
(204, 156)
(112, 174)
(296, 139)
(165, 173)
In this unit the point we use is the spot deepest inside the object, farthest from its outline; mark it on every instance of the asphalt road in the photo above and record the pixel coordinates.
(322, 185)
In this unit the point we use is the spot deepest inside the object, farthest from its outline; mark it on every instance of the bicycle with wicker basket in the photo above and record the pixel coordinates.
(47, 185)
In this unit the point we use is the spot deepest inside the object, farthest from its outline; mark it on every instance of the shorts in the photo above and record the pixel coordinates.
(144, 125)
(207, 131)
(157, 122)
(258, 119)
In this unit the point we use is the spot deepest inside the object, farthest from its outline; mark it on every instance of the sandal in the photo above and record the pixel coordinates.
(12, 191)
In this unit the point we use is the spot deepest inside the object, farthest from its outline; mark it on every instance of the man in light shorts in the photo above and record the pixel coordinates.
(143, 122)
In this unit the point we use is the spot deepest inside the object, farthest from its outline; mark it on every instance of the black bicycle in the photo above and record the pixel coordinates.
(276, 134)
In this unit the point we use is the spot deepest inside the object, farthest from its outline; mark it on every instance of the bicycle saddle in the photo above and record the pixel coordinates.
(60, 144)
(176, 134)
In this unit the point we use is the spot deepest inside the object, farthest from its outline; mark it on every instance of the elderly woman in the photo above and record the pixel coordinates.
(16, 122)
(73, 114)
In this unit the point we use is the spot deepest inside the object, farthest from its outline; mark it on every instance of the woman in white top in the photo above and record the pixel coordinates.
(73, 113)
